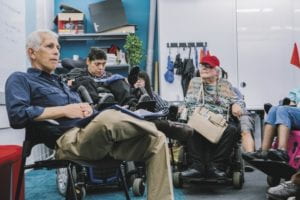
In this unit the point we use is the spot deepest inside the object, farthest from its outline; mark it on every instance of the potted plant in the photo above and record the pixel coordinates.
(133, 50)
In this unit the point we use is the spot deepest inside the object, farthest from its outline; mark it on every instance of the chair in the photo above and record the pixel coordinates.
(75, 191)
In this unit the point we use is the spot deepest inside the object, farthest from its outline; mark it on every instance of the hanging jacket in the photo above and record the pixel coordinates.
(188, 73)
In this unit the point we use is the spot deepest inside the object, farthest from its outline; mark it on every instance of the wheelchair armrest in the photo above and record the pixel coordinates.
(103, 90)
(173, 113)
(52, 122)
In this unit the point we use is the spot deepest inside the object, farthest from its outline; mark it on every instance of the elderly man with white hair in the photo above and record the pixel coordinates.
(82, 133)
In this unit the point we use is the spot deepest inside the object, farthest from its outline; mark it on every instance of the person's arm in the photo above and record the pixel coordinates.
(191, 98)
(160, 103)
(193, 91)
(78, 110)
(18, 96)
(237, 104)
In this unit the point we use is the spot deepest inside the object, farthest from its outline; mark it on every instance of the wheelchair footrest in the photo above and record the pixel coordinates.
(49, 164)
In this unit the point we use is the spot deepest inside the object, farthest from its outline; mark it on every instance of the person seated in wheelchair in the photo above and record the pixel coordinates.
(211, 160)
(279, 122)
(247, 124)
(98, 81)
(92, 78)
(139, 79)
(38, 96)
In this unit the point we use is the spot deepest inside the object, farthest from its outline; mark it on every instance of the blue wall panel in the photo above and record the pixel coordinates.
(137, 12)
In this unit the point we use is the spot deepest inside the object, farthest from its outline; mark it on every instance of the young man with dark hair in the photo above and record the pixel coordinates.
(94, 77)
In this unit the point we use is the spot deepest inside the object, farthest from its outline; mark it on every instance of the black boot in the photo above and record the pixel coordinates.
(174, 130)
(214, 172)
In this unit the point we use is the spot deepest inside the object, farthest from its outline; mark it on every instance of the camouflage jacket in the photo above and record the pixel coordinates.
(217, 98)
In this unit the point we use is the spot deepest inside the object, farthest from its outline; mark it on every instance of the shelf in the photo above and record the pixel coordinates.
(121, 66)
(92, 36)
(122, 69)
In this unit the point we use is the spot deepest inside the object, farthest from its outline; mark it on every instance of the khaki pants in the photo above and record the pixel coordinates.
(124, 138)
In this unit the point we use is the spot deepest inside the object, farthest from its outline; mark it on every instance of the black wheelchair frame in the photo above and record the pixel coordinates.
(235, 171)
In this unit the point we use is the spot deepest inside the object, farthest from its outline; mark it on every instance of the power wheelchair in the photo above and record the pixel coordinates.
(134, 172)
(234, 169)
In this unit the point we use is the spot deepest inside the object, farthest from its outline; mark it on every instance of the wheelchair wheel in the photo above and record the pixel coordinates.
(138, 187)
(177, 181)
(237, 180)
(273, 181)
(62, 180)
(80, 192)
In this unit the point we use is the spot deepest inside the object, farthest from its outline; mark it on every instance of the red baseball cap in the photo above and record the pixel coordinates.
(213, 61)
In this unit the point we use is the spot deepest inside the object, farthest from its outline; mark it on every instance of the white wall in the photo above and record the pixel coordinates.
(265, 41)
(253, 40)
(24, 16)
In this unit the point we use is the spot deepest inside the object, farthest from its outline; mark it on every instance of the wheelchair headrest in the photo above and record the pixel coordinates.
(70, 64)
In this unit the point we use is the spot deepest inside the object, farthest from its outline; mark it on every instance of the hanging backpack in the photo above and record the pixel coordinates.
(169, 75)
(188, 73)
(178, 64)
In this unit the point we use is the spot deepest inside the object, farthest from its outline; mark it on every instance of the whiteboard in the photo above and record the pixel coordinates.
(211, 21)
(12, 38)
(253, 40)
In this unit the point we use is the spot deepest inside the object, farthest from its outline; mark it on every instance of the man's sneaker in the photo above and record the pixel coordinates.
(248, 168)
(278, 155)
(283, 191)
(291, 198)
(179, 131)
(259, 154)
(192, 173)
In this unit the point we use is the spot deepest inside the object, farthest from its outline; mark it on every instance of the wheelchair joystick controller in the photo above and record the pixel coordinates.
(183, 116)
(85, 94)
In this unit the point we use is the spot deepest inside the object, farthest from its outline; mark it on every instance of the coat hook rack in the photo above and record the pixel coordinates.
(186, 44)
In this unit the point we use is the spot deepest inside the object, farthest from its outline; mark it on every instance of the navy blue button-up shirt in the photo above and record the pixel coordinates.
(27, 95)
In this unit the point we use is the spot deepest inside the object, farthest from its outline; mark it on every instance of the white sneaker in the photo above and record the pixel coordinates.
(283, 191)
(291, 198)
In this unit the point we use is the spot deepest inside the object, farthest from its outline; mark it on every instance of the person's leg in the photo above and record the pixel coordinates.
(197, 146)
(269, 129)
(268, 136)
(269, 132)
(154, 151)
(287, 118)
(247, 128)
(222, 150)
(126, 138)
(247, 141)
(283, 137)
(197, 151)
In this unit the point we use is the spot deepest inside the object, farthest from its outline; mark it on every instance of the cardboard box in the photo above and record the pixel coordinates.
(70, 23)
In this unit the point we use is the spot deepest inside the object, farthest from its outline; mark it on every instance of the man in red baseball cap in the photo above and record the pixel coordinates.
(209, 68)
(212, 61)
(210, 73)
